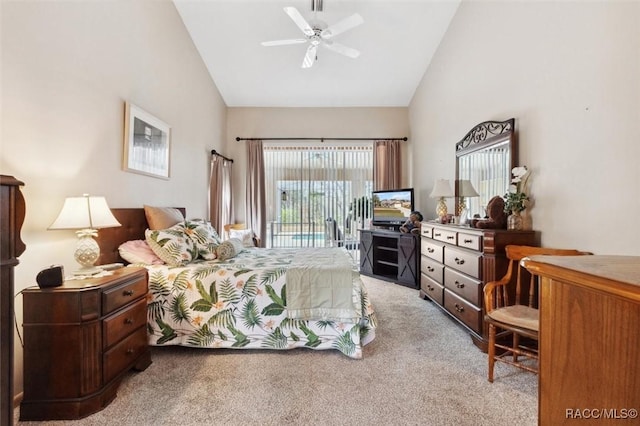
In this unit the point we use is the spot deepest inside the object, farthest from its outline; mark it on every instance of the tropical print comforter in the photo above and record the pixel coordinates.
(241, 303)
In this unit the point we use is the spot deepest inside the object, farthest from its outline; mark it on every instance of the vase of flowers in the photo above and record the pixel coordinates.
(516, 197)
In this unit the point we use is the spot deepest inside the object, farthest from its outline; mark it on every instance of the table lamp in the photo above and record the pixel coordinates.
(441, 190)
(87, 214)
(465, 189)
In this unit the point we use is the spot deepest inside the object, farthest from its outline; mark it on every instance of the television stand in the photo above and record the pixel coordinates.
(390, 255)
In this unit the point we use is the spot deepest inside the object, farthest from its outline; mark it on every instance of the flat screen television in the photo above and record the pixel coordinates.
(391, 208)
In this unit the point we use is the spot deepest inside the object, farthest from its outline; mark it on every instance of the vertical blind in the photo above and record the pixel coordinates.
(316, 194)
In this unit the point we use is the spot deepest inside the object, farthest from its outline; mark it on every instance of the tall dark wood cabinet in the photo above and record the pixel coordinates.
(12, 210)
(391, 256)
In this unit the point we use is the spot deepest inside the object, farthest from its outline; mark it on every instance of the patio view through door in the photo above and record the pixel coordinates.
(317, 195)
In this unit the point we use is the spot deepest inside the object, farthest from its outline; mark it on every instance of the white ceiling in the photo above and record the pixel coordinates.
(396, 41)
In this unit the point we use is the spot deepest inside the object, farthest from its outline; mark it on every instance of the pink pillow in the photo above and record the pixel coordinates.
(138, 251)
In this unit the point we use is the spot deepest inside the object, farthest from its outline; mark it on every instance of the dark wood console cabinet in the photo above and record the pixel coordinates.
(391, 256)
(12, 211)
(457, 261)
(79, 340)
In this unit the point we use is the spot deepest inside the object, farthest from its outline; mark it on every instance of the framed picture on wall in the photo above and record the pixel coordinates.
(147, 142)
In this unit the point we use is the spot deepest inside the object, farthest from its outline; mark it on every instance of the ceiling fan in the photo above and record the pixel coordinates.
(318, 33)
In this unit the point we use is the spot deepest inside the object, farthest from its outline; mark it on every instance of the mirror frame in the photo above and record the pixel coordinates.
(483, 136)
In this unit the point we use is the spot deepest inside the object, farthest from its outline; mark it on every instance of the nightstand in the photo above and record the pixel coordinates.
(79, 340)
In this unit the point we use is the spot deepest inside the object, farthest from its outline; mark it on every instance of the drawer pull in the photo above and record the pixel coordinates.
(430, 269)
(459, 308)
(459, 261)
(450, 237)
(459, 284)
(127, 293)
(430, 250)
(468, 241)
(430, 287)
(130, 351)
(128, 321)
(437, 234)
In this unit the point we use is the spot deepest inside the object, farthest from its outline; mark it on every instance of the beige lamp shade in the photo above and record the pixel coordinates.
(466, 189)
(85, 213)
(441, 189)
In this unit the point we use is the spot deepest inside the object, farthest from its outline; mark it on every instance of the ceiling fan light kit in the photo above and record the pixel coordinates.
(319, 34)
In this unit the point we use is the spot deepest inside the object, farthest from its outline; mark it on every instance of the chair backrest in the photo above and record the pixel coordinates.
(526, 284)
(230, 226)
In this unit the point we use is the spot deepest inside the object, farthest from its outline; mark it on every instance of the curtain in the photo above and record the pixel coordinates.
(220, 193)
(386, 164)
(255, 201)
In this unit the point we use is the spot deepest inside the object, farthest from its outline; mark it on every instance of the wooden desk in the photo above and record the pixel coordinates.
(589, 339)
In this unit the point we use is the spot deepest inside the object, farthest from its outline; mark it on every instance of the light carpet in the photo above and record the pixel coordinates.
(422, 369)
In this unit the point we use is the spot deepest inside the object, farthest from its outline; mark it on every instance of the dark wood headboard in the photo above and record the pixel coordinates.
(134, 223)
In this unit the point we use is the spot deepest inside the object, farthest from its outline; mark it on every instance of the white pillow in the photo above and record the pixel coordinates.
(244, 235)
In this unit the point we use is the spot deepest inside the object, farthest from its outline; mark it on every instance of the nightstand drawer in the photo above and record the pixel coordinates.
(433, 250)
(466, 287)
(123, 323)
(469, 314)
(432, 289)
(426, 230)
(117, 297)
(463, 261)
(124, 354)
(432, 269)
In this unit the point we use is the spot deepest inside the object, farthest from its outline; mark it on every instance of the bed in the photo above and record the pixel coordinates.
(243, 302)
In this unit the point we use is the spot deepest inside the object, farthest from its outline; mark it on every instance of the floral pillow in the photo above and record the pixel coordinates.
(204, 237)
(228, 249)
(172, 245)
(138, 251)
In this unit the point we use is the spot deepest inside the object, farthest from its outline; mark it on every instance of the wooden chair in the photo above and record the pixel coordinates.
(239, 226)
(514, 310)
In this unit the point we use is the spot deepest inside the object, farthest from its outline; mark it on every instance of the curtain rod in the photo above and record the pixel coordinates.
(214, 152)
(320, 139)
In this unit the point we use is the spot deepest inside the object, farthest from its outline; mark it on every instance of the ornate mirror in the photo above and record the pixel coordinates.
(484, 158)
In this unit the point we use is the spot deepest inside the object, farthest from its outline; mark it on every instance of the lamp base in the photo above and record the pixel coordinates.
(88, 271)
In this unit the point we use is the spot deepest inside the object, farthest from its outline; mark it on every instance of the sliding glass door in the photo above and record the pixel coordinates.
(318, 195)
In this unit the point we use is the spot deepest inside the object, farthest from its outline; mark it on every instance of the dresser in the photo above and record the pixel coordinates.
(455, 263)
(589, 339)
(12, 211)
(391, 256)
(79, 340)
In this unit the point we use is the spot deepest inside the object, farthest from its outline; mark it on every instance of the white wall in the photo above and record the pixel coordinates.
(310, 123)
(67, 70)
(568, 73)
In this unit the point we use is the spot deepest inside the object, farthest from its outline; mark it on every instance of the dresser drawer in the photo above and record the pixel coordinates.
(466, 287)
(119, 325)
(432, 269)
(426, 230)
(463, 261)
(469, 314)
(470, 241)
(116, 297)
(432, 249)
(124, 354)
(445, 235)
(434, 290)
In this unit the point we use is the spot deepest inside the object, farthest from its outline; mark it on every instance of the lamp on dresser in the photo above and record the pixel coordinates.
(87, 214)
(441, 190)
(465, 189)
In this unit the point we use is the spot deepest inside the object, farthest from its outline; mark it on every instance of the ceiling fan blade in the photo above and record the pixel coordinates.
(299, 20)
(310, 56)
(342, 26)
(284, 42)
(341, 48)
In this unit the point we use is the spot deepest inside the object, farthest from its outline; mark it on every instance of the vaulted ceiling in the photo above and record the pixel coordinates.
(396, 43)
